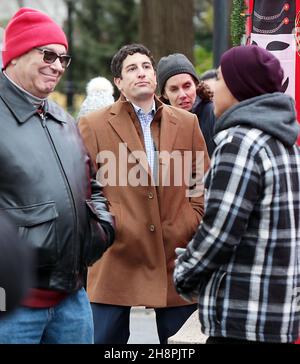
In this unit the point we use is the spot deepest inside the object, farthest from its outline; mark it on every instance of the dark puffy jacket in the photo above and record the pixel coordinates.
(205, 113)
(48, 188)
(206, 117)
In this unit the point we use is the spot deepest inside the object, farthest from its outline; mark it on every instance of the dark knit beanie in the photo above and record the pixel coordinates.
(172, 65)
(250, 71)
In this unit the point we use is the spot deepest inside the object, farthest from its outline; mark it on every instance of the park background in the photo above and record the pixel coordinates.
(96, 29)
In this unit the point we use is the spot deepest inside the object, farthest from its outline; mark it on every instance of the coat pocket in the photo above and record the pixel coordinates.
(96, 240)
(37, 226)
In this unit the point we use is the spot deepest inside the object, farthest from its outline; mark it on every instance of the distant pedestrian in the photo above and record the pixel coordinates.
(243, 263)
(179, 86)
(154, 214)
(99, 93)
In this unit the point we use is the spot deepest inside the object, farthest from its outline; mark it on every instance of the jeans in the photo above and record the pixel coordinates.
(69, 322)
(112, 322)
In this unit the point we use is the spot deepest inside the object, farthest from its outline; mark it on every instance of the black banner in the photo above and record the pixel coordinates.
(273, 16)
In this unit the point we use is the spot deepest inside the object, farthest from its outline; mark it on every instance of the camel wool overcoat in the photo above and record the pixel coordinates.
(152, 217)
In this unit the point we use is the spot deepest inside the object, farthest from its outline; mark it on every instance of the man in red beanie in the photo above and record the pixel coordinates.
(48, 186)
(243, 263)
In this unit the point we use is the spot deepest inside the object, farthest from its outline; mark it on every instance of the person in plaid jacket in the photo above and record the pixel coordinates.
(243, 264)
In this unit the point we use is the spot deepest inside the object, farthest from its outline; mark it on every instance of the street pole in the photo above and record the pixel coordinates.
(69, 81)
(220, 36)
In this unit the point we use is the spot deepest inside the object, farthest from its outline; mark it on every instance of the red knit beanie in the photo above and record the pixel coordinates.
(250, 71)
(30, 28)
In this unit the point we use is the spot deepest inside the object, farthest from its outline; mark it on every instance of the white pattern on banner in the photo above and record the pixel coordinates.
(287, 57)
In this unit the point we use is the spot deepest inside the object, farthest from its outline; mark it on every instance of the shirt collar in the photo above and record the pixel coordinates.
(137, 109)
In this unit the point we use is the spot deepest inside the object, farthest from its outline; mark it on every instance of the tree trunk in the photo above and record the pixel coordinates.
(166, 26)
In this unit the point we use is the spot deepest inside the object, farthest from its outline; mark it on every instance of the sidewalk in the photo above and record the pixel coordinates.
(190, 333)
(143, 329)
(142, 326)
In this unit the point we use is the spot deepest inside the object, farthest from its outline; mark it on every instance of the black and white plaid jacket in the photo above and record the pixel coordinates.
(244, 261)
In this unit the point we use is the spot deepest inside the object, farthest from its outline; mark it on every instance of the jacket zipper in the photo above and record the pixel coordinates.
(74, 212)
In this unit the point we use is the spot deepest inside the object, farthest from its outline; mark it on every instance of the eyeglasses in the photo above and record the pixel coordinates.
(50, 57)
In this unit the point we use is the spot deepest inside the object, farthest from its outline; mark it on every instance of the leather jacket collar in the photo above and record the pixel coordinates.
(20, 107)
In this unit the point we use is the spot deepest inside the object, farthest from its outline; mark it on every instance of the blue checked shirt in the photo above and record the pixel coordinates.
(146, 120)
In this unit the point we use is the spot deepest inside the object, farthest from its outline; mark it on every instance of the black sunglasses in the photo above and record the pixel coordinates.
(50, 57)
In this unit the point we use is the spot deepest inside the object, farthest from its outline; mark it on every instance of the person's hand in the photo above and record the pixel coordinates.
(178, 252)
(189, 297)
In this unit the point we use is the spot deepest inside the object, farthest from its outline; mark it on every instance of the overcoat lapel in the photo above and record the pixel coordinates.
(168, 134)
(124, 127)
(168, 131)
(121, 122)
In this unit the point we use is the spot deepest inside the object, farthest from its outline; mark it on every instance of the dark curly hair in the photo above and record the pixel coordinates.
(129, 49)
(204, 92)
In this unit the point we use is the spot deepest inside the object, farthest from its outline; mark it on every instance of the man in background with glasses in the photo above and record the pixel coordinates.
(47, 186)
